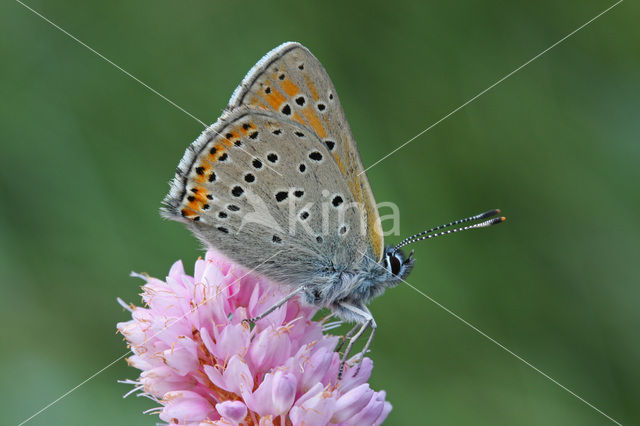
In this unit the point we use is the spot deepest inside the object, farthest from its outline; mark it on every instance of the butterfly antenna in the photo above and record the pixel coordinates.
(480, 216)
(423, 235)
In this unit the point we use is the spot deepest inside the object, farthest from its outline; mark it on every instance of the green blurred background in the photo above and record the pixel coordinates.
(87, 153)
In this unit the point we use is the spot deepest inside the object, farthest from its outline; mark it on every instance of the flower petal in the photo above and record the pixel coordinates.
(369, 414)
(269, 348)
(185, 406)
(284, 391)
(234, 411)
(160, 380)
(350, 403)
(315, 368)
(182, 357)
(351, 380)
(235, 378)
(260, 401)
(316, 410)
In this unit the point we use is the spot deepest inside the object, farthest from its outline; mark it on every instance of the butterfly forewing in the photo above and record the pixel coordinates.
(259, 186)
(292, 83)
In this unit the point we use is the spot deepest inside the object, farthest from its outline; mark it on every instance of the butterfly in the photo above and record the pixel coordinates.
(277, 185)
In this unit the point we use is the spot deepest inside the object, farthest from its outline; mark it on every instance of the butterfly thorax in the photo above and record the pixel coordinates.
(357, 283)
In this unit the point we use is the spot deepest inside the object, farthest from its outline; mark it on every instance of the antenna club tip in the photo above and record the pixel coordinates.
(496, 221)
(487, 214)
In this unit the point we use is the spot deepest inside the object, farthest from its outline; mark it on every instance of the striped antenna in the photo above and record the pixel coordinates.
(423, 235)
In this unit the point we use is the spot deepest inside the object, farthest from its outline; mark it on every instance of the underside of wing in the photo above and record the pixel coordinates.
(291, 82)
(262, 189)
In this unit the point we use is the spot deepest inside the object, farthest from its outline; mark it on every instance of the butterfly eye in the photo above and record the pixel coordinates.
(392, 264)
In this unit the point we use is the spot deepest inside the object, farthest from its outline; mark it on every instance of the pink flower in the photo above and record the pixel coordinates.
(204, 366)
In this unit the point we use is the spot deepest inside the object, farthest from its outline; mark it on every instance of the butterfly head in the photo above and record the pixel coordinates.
(397, 265)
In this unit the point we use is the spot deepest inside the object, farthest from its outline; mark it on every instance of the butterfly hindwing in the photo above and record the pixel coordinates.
(256, 186)
(291, 82)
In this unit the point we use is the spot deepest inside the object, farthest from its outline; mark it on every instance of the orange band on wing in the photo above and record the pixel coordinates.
(275, 99)
(311, 87)
(339, 163)
(188, 212)
(290, 87)
(195, 205)
(201, 171)
(297, 117)
(229, 137)
(219, 150)
(200, 194)
(256, 102)
(314, 121)
(244, 129)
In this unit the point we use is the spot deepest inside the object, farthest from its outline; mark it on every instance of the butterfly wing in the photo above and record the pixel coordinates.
(291, 82)
(263, 189)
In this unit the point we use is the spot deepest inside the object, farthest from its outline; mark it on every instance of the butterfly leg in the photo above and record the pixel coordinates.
(362, 329)
(346, 337)
(364, 314)
(275, 306)
(326, 326)
(374, 326)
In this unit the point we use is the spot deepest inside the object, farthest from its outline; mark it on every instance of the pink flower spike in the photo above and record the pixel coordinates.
(204, 366)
